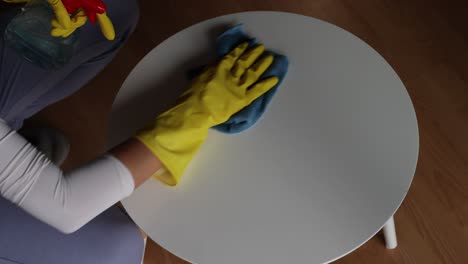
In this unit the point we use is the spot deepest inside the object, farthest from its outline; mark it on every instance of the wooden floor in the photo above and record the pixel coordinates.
(426, 42)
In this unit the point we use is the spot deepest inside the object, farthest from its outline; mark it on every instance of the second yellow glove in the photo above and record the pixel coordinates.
(78, 20)
(61, 14)
(218, 93)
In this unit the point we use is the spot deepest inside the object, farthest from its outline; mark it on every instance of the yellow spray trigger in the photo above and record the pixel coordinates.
(78, 20)
(106, 25)
(61, 13)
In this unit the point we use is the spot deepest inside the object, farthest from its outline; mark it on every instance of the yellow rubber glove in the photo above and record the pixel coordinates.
(61, 13)
(78, 20)
(213, 97)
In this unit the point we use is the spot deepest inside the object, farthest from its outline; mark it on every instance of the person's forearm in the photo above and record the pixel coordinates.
(65, 201)
(139, 160)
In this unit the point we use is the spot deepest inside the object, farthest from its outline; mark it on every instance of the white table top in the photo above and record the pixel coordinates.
(329, 163)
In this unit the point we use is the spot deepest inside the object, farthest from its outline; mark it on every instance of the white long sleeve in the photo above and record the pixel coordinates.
(64, 201)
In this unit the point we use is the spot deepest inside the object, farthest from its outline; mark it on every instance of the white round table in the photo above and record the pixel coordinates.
(325, 168)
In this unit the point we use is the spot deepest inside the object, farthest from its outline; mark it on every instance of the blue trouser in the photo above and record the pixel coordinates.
(25, 89)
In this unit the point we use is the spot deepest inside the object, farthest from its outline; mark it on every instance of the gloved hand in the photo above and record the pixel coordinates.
(213, 97)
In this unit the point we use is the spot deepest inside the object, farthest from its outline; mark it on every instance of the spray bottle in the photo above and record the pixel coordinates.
(39, 34)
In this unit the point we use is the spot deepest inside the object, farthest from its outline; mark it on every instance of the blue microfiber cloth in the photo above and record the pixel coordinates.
(248, 116)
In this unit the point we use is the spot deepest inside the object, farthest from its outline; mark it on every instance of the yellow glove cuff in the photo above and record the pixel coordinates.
(174, 163)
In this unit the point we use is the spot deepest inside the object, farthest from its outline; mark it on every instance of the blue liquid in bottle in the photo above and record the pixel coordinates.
(29, 34)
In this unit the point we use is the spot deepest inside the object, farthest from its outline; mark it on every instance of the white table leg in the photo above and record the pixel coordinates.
(390, 234)
(145, 240)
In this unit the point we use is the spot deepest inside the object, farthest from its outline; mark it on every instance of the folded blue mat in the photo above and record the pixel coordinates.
(248, 116)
